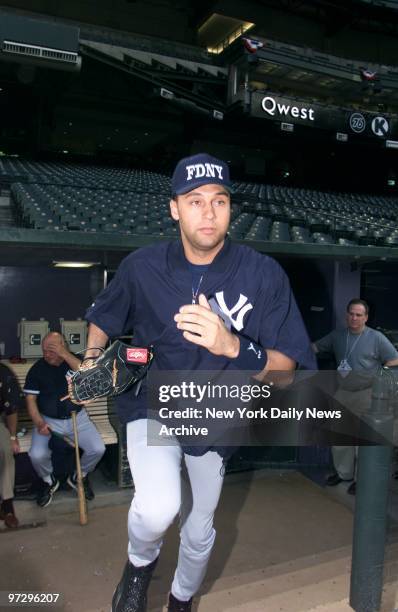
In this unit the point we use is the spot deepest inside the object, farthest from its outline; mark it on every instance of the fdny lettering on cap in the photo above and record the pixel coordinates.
(137, 355)
(195, 171)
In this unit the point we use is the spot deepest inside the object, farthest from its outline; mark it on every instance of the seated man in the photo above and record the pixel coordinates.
(11, 399)
(45, 385)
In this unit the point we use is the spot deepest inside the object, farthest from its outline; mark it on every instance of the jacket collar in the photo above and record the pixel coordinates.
(178, 262)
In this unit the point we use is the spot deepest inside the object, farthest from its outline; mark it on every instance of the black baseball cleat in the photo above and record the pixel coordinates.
(352, 489)
(46, 492)
(176, 605)
(334, 479)
(131, 592)
(88, 492)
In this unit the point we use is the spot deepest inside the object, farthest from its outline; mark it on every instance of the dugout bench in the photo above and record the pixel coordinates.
(103, 415)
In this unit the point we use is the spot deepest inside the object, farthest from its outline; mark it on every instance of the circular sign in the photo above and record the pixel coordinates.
(380, 126)
(357, 122)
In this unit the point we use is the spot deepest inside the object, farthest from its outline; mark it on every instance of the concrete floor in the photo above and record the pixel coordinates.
(283, 545)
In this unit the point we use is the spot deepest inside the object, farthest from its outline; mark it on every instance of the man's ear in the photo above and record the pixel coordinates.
(174, 210)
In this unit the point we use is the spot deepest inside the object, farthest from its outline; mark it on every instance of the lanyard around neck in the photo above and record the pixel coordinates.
(348, 353)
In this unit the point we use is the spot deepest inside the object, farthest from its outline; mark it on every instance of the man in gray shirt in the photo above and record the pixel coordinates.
(359, 352)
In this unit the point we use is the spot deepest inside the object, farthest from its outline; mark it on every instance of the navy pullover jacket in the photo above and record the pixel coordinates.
(151, 285)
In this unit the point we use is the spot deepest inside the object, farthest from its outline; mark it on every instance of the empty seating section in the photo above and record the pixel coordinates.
(286, 214)
(90, 210)
(79, 175)
(72, 197)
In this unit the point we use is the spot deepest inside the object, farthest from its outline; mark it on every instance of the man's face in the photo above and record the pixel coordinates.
(50, 350)
(356, 317)
(204, 215)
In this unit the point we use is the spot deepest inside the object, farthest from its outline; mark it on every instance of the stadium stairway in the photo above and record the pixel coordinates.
(286, 587)
(6, 211)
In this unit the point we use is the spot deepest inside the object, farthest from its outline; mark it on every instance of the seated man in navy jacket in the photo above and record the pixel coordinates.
(252, 323)
(45, 385)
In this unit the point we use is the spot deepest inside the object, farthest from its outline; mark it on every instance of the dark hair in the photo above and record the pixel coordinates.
(359, 302)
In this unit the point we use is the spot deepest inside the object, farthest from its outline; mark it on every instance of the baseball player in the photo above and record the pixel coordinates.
(161, 293)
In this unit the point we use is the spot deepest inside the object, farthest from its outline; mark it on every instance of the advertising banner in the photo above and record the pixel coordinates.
(295, 111)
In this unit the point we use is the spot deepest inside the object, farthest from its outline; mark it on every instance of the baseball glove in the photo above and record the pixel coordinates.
(119, 367)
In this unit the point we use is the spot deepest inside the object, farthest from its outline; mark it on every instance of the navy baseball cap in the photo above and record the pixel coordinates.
(200, 169)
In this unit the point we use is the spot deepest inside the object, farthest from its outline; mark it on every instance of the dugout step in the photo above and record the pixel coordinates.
(65, 501)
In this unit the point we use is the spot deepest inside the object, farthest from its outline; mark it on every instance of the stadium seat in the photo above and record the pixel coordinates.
(64, 196)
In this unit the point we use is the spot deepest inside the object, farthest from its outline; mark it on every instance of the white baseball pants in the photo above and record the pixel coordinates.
(160, 494)
(90, 442)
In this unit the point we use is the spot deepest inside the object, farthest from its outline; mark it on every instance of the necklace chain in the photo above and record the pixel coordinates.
(195, 292)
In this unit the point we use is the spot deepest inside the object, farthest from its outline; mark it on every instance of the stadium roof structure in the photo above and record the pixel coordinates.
(179, 21)
(299, 70)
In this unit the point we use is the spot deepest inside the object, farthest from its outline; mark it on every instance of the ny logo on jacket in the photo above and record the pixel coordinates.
(240, 308)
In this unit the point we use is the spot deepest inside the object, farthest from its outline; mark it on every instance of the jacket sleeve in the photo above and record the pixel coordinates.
(325, 344)
(32, 382)
(282, 326)
(113, 309)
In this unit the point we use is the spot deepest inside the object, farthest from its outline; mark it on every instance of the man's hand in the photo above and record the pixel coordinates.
(201, 326)
(15, 446)
(87, 363)
(57, 347)
(43, 429)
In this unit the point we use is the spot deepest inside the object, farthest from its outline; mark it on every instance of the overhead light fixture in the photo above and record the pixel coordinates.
(298, 75)
(341, 136)
(287, 127)
(219, 32)
(166, 93)
(392, 144)
(327, 82)
(218, 115)
(75, 264)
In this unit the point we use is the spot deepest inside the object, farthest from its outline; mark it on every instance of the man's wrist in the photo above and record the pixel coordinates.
(92, 353)
(233, 350)
(251, 356)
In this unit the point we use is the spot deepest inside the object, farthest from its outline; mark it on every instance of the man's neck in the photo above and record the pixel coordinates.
(199, 257)
(356, 331)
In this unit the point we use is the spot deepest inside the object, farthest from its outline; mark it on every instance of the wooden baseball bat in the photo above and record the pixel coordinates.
(80, 489)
